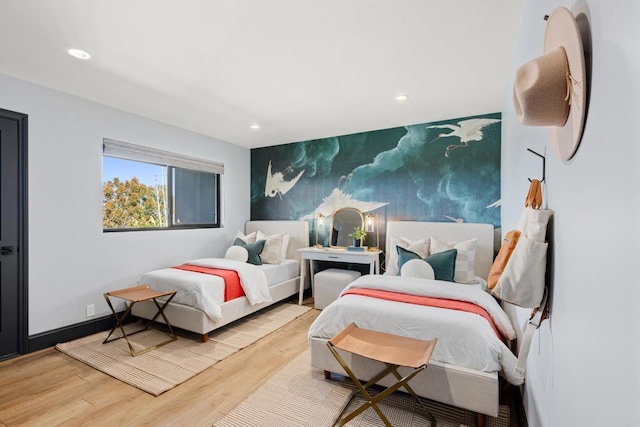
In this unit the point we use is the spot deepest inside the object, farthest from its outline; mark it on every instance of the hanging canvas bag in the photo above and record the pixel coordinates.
(523, 278)
(499, 264)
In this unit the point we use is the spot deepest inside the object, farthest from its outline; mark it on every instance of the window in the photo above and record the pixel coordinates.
(194, 197)
(144, 189)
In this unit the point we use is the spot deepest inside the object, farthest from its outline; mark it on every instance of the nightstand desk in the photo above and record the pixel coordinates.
(307, 255)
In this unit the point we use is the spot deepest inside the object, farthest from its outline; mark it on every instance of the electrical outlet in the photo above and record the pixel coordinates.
(91, 310)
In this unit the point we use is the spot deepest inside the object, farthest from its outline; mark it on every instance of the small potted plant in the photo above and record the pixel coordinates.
(358, 236)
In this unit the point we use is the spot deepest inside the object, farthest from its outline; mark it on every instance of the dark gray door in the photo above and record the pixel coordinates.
(12, 233)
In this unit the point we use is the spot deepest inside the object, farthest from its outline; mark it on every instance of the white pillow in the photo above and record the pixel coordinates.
(285, 246)
(237, 253)
(272, 252)
(421, 247)
(465, 261)
(248, 238)
(417, 268)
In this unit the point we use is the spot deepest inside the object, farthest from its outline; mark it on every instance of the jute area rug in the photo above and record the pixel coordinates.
(165, 367)
(299, 395)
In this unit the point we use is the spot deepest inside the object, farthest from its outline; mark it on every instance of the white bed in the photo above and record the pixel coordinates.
(283, 282)
(476, 389)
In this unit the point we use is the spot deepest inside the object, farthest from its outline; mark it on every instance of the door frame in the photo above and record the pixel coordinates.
(23, 300)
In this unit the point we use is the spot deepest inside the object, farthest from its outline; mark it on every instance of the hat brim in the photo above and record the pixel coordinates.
(562, 30)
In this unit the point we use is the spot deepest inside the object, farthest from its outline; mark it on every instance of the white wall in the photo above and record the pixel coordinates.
(71, 261)
(583, 369)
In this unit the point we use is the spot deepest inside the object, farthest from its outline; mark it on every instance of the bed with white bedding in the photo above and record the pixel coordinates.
(199, 304)
(470, 354)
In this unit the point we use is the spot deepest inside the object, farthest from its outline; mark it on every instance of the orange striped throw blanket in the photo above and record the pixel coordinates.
(232, 288)
(425, 300)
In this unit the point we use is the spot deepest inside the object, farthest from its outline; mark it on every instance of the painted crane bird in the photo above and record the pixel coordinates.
(276, 184)
(468, 130)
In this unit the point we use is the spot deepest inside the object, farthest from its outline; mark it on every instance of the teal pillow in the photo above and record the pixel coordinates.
(443, 263)
(254, 250)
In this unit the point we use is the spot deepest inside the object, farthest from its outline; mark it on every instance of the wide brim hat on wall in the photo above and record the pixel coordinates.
(552, 90)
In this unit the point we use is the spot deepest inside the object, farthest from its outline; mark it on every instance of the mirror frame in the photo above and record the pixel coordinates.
(333, 217)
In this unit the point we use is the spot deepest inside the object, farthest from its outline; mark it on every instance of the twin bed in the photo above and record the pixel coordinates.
(470, 354)
(473, 347)
(199, 304)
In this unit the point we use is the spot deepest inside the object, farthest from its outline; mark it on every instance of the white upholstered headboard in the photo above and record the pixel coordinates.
(449, 232)
(297, 230)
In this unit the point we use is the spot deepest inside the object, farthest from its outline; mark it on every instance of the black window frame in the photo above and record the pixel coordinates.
(170, 188)
(171, 212)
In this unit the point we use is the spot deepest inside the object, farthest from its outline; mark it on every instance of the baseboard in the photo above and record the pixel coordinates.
(68, 333)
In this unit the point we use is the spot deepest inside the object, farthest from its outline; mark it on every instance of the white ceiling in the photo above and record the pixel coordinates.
(301, 69)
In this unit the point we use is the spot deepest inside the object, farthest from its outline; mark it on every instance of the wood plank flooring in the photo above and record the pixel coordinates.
(48, 388)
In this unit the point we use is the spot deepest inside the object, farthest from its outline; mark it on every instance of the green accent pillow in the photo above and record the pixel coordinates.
(253, 249)
(443, 263)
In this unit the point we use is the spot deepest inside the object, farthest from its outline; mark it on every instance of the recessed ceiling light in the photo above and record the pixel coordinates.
(402, 97)
(254, 126)
(78, 53)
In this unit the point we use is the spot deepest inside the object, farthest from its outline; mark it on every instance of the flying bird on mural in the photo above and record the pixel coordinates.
(276, 185)
(495, 204)
(457, 220)
(469, 130)
(338, 200)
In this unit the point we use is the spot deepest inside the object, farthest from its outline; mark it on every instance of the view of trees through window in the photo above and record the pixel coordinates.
(131, 204)
(134, 194)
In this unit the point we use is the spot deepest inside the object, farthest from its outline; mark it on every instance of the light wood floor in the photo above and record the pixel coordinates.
(49, 388)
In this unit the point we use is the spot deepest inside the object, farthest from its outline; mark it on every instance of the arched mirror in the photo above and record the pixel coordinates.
(343, 222)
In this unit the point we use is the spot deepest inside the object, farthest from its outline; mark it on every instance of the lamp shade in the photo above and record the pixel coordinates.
(370, 223)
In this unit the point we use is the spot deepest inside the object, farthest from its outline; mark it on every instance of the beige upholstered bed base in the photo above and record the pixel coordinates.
(454, 385)
(194, 320)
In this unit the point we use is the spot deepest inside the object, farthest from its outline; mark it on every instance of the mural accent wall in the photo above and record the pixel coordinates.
(441, 171)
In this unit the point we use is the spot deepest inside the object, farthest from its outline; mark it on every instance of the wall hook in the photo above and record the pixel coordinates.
(544, 163)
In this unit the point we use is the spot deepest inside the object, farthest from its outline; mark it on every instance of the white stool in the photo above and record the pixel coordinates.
(329, 283)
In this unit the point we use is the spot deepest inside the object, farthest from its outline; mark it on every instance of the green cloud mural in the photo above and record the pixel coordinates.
(440, 171)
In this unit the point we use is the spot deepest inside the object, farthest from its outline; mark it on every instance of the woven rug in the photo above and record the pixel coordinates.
(165, 367)
(298, 395)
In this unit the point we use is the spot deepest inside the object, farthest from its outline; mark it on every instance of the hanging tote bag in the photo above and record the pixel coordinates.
(499, 264)
(523, 278)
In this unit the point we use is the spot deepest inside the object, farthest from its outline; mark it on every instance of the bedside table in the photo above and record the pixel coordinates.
(335, 255)
(132, 296)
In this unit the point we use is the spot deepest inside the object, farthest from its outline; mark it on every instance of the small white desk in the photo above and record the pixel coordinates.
(336, 255)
